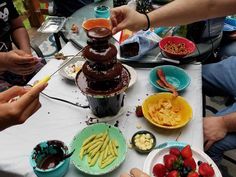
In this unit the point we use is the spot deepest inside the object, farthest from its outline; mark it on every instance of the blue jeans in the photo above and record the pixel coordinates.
(220, 79)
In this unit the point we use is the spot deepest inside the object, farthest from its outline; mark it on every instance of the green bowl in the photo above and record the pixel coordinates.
(82, 164)
(174, 75)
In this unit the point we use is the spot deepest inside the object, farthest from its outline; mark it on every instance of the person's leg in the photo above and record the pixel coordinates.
(220, 78)
(227, 143)
(227, 48)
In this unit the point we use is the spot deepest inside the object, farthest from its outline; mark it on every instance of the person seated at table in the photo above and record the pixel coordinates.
(17, 67)
(66, 8)
(17, 104)
(219, 130)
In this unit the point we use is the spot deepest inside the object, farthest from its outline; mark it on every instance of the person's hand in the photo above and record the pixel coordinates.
(13, 112)
(124, 17)
(19, 62)
(135, 172)
(214, 129)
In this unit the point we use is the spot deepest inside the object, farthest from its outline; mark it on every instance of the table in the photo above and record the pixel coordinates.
(61, 121)
(202, 52)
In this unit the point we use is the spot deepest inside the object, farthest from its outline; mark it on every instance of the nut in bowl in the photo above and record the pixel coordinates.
(176, 47)
(47, 159)
(99, 149)
(167, 111)
(96, 22)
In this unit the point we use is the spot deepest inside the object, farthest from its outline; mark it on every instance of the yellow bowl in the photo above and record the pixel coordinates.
(178, 103)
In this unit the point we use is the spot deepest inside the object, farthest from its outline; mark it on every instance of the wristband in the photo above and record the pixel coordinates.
(148, 22)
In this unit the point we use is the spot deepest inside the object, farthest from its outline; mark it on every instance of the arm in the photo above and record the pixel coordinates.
(182, 12)
(17, 112)
(178, 12)
(20, 36)
(216, 128)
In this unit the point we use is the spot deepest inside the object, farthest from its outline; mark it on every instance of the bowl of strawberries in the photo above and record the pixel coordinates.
(176, 159)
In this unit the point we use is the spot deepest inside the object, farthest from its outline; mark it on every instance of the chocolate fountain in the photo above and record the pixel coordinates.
(102, 78)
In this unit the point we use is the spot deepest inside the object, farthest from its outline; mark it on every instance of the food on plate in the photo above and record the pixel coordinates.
(99, 149)
(59, 56)
(74, 28)
(143, 141)
(163, 112)
(138, 111)
(72, 69)
(178, 48)
(181, 163)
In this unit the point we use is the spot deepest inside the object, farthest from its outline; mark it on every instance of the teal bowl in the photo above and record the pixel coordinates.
(174, 75)
(44, 159)
(102, 12)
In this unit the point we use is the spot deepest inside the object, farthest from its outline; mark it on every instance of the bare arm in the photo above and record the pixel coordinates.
(20, 36)
(178, 12)
(230, 122)
(181, 12)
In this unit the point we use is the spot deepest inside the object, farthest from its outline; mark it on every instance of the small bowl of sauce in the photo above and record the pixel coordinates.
(47, 159)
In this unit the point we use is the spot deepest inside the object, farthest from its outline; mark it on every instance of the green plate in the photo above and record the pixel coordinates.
(78, 140)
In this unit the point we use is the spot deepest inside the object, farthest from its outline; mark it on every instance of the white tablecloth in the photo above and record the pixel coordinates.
(58, 120)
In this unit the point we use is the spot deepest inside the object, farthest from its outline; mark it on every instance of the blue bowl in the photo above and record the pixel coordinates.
(174, 75)
(41, 155)
(102, 12)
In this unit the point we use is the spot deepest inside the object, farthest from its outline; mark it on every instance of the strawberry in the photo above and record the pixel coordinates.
(159, 170)
(206, 170)
(169, 160)
(186, 152)
(193, 174)
(139, 111)
(190, 162)
(175, 151)
(173, 173)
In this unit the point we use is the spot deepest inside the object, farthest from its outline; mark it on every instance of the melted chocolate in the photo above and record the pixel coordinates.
(102, 78)
(50, 161)
(50, 156)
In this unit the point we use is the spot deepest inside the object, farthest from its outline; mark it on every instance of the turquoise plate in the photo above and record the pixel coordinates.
(174, 75)
(76, 144)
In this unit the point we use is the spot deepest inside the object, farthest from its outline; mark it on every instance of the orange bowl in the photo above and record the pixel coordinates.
(96, 22)
(176, 47)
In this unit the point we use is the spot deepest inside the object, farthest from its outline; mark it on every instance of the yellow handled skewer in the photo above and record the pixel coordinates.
(48, 77)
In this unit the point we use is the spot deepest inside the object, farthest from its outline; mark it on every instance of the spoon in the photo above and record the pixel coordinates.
(67, 155)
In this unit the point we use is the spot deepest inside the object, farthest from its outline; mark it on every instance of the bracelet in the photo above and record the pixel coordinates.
(148, 22)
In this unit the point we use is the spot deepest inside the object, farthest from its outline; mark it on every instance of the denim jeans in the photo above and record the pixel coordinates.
(220, 79)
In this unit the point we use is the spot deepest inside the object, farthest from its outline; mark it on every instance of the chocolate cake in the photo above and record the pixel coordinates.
(102, 76)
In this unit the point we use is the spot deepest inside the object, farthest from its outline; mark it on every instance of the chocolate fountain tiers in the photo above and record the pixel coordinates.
(102, 79)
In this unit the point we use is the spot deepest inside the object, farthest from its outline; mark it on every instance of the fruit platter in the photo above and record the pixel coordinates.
(174, 159)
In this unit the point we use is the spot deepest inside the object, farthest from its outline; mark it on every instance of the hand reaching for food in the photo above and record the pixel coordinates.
(18, 103)
(19, 62)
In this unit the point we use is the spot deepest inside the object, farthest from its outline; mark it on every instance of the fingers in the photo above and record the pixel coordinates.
(22, 53)
(138, 173)
(208, 144)
(125, 175)
(30, 96)
(30, 110)
(11, 93)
